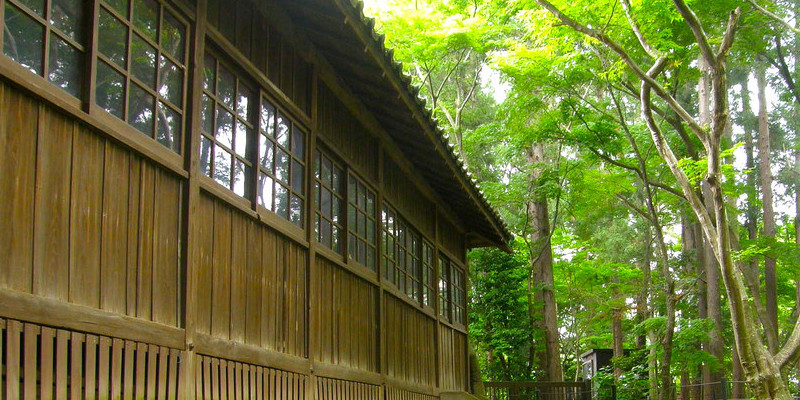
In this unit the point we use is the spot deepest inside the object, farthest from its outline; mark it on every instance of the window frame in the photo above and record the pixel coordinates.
(352, 212)
(48, 29)
(96, 59)
(337, 229)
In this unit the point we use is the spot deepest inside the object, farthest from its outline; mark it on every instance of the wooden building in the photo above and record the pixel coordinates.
(225, 199)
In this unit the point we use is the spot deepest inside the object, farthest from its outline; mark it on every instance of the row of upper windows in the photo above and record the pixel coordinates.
(248, 144)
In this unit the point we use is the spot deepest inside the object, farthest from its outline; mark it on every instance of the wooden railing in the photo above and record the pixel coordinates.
(538, 390)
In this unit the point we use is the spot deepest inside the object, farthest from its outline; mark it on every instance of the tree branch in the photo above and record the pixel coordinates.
(697, 30)
(626, 5)
(773, 16)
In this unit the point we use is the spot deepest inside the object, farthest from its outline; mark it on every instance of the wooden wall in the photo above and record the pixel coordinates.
(346, 315)
(410, 343)
(255, 281)
(85, 220)
(134, 244)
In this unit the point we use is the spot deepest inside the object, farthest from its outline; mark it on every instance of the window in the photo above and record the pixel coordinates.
(281, 165)
(388, 239)
(362, 224)
(452, 292)
(329, 200)
(48, 38)
(226, 144)
(445, 300)
(141, 69)
(413, 265)
(428, 274)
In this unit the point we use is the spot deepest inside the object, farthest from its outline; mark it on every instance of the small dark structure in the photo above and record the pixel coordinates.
(595, 359)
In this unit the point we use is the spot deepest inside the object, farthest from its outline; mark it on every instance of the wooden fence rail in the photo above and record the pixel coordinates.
(539, 390)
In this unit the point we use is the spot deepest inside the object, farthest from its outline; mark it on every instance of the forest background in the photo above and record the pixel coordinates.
(646, 156)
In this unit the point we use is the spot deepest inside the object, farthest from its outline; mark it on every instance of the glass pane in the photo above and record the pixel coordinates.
(282, 135)
(140, 110)
(224, 127)
(240, 175)
(371, 258)
(336, 210)
(325, 203)
(298, 143)
(172, 36)
(66, 66)
(264, 191)
(169, 127)
(143, 65)
(298, 176)
(370, 204)
(296, 211)
(241, 145)
(37, 6)
(209, 72)
(171, 85)
(325, 176)
(226, 87)
(208, 115)
(222, 166)
(267, 153)
(336, 179)
(282, 166)
(362, 225)
(110, 89)
(325, 232)
(371, 232)
(351, 247)
(351, 218)
(120, 6)
(335, 238)
(67, 15)
(267, 118)
(243, 102)
(112, 39)
(282, 201)
(362, 252)
(206, 147)
(145, 17)
(361, 196)
(23, 39)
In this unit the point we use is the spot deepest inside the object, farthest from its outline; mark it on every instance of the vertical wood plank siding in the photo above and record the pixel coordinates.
(347, 318)
(451, 239)
(253, 280)
(338, 126)
(453, 348)
(404, 195)
(85, 221)
(410, 343)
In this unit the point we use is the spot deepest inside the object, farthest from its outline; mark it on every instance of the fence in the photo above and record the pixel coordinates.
(539, 390)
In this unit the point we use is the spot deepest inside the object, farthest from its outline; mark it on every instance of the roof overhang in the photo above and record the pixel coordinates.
(341, 33)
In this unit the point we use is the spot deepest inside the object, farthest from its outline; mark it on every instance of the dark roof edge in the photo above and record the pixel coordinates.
(375, 43)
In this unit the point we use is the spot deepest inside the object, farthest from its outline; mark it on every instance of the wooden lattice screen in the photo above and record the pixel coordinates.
(228, 380)
(40, 362)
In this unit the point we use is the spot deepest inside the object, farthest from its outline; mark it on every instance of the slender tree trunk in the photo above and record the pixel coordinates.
(617, 335)
(714, 345)
(770, 280)
(542, 264)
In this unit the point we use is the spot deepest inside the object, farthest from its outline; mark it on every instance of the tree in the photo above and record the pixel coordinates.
(762, 368)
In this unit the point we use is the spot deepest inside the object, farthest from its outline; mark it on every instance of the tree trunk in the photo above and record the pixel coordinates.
(770, 280)
(617, 335)
(711, 297)
(542, 265)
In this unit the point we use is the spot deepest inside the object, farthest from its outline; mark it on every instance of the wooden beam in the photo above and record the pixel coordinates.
(41, 310)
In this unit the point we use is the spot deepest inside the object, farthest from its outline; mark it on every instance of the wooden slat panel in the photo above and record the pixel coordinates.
(165, 257)
(76, 365)
(328, 388)
(221, 290)
(205, 248)
(51, 232)
(48, 337)
(86, 218)
(344, 337)
(144, 290)
(238, 275)
(62, 347)
(163, 364)
(18, 129)
(117, 346)
(174, 374)
(133, 253)
(91, 366)
(141, 372)
(152, 370)
(30, 365)
(103, 367)
(128, 372)
(13, 342)
(114, 231)
(254, 285)
(410, 338)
